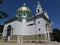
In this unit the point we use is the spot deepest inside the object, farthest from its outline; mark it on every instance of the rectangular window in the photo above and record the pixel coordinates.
(38, 21)
(30, 24)
(46, 26)
(39, 29)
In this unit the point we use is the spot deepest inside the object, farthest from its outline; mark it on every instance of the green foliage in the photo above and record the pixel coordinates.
(1, 29)
(3, 14)
(1, 1)
(56, 33)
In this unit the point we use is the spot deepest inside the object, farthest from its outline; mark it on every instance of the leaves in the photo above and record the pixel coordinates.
(3, 14)
(1, 1)
(56, 33)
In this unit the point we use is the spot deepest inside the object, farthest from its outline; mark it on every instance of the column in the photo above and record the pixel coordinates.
(48, 37)
(21, 38)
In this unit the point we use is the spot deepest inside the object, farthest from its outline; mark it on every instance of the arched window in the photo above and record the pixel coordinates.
(9, 30)
(38, 10)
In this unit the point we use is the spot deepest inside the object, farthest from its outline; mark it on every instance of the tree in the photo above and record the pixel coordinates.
(1, 1)
(56, 33)
(3, 14)
(1, 30)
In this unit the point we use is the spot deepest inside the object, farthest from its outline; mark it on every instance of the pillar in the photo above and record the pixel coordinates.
(19, 39)
(48, 37)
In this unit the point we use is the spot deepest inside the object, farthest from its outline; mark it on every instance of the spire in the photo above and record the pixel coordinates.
(46, 14)
(38, 2)
(39, 9)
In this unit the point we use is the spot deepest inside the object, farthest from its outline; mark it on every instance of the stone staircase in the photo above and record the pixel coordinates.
(12, 40)
(14, 37)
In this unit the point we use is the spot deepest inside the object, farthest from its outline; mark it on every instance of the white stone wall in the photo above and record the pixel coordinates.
(31, 28)
(24, 25)
(34, 29)
(17, 28)
(22, 28)
(41, 25)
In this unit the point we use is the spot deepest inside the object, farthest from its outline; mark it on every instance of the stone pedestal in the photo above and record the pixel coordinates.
(19, 39)
(8, 38)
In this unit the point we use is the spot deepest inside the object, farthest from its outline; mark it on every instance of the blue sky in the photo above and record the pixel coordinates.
(52, 7)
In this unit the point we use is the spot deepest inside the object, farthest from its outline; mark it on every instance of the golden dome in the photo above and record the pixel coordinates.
(24, 8)
(24, 12)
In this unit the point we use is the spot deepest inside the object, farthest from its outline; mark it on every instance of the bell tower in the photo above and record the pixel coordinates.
(39, 9)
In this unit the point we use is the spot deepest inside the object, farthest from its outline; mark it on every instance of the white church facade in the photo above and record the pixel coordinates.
(25, 27)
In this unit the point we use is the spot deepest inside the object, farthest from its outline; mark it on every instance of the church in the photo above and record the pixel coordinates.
(25, 27)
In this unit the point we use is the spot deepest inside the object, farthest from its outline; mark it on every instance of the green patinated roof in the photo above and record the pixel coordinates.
(24, 10)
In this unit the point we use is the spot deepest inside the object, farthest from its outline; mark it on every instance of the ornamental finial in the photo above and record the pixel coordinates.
(24, 4)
